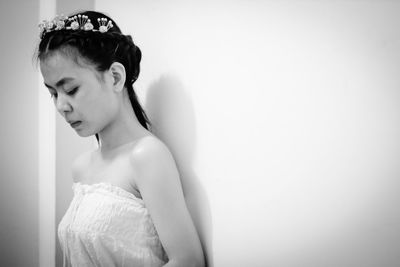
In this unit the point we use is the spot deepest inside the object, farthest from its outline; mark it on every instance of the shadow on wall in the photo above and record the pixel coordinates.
(170, 110)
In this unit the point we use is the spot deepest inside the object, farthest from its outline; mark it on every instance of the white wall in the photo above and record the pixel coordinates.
(19, 195)
(284, 118)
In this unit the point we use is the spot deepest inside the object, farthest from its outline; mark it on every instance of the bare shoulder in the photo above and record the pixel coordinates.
(79, 164)
(148, 143)
(150, 152)
(149, 147)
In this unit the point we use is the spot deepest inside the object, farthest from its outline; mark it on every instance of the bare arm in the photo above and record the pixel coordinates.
(160, 186)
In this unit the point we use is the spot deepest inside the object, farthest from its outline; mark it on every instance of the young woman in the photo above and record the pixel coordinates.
(128, 207)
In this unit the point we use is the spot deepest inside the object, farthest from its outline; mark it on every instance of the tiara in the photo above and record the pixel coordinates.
(77, 22)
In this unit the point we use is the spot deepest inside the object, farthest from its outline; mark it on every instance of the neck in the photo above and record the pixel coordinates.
(124, 129)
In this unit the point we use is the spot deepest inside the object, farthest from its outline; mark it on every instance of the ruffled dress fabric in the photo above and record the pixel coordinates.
(108, 226)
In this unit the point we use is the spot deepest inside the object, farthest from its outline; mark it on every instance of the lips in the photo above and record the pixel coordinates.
(74, 123)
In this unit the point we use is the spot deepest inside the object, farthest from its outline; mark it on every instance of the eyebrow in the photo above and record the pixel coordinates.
(60, 82)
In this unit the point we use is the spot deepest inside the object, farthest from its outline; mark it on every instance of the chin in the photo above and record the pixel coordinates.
(83, 133)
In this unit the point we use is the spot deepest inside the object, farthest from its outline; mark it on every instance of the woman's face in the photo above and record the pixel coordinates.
(79, 94)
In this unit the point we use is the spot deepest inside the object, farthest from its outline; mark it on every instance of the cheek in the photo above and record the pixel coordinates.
(97, 104)
(102, 109)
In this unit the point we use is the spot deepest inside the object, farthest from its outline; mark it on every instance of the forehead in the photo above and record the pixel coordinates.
(57, 66)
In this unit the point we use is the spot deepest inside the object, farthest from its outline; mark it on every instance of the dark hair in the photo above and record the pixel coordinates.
(99, 49)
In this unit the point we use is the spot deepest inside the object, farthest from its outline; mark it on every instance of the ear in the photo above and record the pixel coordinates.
(118, 75)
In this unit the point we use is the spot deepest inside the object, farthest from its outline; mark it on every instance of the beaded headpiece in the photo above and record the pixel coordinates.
(77, 22)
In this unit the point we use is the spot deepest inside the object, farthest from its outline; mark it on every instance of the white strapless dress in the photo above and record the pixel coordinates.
(106, 226)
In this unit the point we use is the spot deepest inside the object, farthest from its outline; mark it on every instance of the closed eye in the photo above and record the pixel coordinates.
(72, 92)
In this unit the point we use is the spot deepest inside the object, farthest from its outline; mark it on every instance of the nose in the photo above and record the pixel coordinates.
(62, 104)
